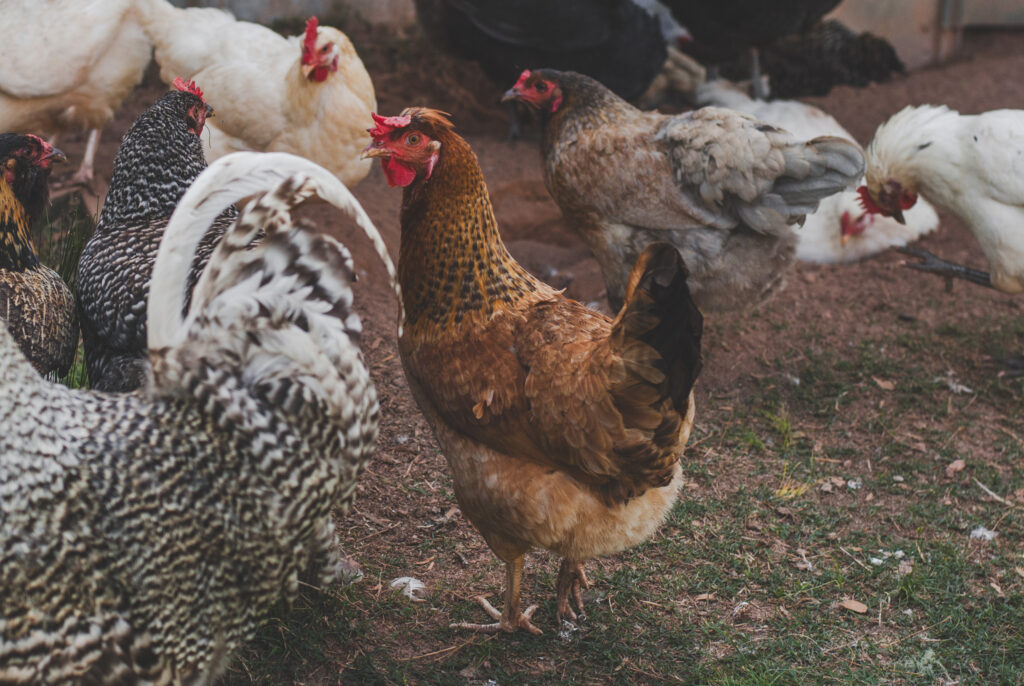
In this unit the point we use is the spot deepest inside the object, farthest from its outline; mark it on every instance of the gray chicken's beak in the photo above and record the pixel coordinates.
(898, 216)
(511, 94)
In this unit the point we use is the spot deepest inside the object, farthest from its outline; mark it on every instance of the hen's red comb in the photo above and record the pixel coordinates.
(188, 87)
(867, 202)
(386, 125)
(521, 83)
(309, 43)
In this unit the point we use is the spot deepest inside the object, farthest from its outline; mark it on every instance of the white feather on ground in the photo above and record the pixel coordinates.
(820, 238)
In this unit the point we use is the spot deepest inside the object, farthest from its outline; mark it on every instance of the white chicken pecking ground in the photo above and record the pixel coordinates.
(970, 165)
(840, 231)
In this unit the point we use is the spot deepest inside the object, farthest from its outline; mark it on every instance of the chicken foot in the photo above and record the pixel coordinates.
(511, 619)
(936, 265)
(84, 175)
(571, 579)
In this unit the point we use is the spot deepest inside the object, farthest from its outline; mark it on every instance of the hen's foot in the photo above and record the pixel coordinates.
(571, 579)
(521, 620)
(951, 270)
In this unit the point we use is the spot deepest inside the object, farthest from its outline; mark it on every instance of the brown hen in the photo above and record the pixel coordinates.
(563, 429)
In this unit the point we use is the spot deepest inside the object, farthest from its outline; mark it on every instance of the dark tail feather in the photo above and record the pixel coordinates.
(660, 312)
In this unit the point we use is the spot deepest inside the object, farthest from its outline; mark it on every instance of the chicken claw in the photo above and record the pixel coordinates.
(571, 577)
(510, 625)
(950, 270)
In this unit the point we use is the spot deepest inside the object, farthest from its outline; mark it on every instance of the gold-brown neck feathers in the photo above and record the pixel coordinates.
(453, 265)
(17, 251)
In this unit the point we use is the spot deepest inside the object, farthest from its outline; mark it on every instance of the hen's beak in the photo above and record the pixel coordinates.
(373, 150)
(54, 154)
(898, 216)
(511, 94)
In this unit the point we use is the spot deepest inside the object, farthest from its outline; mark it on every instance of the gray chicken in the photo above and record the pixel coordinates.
(161, 154)
(144, 535)
(725, 189)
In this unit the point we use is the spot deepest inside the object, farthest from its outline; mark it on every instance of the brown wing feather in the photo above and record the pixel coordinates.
(563, 386)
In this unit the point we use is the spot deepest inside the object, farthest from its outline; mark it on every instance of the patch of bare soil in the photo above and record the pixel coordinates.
(405, 504)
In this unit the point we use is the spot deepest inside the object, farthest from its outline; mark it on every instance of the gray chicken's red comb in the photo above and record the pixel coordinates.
(188, 87)
(386, 125)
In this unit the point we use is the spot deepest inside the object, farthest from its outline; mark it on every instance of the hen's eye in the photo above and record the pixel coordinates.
(541, 87)
(413, 139)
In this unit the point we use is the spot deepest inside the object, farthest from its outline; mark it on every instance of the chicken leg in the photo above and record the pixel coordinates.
(510, 619)
(950, 270)
(571, 578)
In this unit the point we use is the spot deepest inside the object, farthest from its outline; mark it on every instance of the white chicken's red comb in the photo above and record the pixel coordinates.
(188, 87)
(386, 125)
(867, 202)
(309, 43)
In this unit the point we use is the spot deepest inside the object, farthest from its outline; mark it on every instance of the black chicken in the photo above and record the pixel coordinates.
(160, 156)
(614, 41)
(723, 28)
(36, 304)
(829, 54)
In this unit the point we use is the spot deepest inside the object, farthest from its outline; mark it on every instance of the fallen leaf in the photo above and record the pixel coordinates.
(704, 596)
(953, 467)
(854, 606)
(883, 384)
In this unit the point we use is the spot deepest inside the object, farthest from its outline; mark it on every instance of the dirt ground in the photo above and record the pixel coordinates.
(406, 491)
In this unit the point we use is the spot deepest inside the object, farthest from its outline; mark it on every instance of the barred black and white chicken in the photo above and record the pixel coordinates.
(161, 154)
(36, 304)
(144, 535)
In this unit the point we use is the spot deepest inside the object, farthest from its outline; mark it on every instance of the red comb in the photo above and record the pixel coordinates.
(522, 79)
(188, 87)
(309, 43)
(867, 202)
(386, 125)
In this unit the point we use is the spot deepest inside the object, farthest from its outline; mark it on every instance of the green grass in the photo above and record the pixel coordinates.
(743, 583)
(59, 236)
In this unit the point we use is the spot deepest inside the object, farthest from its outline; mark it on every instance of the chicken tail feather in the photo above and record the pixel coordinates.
(660, 313)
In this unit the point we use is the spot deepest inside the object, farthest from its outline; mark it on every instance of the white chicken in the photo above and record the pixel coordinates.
(66, 65)
(840, 230)
(307, 95)
(971, 165)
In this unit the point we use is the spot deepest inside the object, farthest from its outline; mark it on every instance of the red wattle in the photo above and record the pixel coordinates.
(397, 173)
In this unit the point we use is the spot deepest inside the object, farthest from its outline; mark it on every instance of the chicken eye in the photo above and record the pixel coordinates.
(413, 139)
(541, 87)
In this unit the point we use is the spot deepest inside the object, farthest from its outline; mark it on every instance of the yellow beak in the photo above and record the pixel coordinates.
(372, 150)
